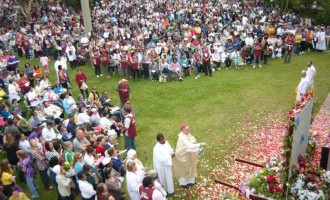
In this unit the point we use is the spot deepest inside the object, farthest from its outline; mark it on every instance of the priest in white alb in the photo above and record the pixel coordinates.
(303, 86)
(185, 159)
(162, 160)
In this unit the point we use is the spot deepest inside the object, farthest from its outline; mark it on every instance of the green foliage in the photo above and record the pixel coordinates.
(323, 17)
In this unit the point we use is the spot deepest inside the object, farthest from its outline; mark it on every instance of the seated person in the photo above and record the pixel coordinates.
(154, 71)
(246, 55)
(71, 126)
(185, 66)
(44, 83)
(175, 68)
(83, 117)
(23, 125)
(52, 110)
(105, 100)
(117, 163)
(106, 124)
(59, 89)
(16, 108)
(81, 102)
(33, 98)
(34, 120)
(3, 94)
(6, 113)
(66, 136)
(69, 104)
(40, 113)
(23, 83)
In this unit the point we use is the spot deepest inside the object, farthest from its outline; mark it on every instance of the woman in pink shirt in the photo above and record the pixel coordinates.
(175, 67)
(44, 61)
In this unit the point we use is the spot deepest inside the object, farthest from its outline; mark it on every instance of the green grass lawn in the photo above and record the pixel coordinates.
(210, 106)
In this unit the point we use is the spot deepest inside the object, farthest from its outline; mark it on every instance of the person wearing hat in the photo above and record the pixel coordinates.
(162, 161)
(63, 179)
(185, 159)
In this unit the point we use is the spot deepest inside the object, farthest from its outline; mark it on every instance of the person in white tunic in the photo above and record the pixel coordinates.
(185, 159)
(133, 181)
(162, 160)
(321, 40)
(303, 86)
(310, 73)
(132, 156)
(13, 91)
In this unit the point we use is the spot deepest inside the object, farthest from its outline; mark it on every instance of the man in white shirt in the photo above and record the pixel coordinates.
(62, 62)
(249, 40)
(32, 97)
(303, 86)
(48, 132)
(311, 72)
(162, 160)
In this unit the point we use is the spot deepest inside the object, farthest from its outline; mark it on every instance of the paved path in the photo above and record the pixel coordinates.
(325, 108)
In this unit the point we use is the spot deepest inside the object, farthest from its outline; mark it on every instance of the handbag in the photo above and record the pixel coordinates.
(84, 86)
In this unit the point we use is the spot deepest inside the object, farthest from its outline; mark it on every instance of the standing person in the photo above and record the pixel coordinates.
(63, 179)
(123, 90)
(44, 62)
(27, 168)
(303, 87)
(81, 78)
(145, 64)
(257, 53)
(63, 77)
(87, 190)
(321, 40)
(310, 73)
(12, 63)
(135, 65)
(106, 62)
(41, 161)
(206, 57)
(133, 181)
(289, 41)
(71, 53)
(129, 129)
(123, 68)
(10, 146)
(162, 160)
(97, 62)
(185, 159)
(197, 62)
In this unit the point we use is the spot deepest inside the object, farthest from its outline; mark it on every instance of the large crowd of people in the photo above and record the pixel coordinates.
(71, 141)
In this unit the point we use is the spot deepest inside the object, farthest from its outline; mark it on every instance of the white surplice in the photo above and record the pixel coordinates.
(162, 161)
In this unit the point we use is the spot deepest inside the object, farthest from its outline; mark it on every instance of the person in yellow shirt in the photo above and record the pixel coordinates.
(17, 195)
(298, 38)
(7, 178)
(271, 30)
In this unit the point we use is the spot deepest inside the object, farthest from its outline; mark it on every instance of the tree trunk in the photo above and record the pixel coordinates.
(26, 9)
(286, 6)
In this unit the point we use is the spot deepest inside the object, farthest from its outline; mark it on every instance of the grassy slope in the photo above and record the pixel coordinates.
(210, 106)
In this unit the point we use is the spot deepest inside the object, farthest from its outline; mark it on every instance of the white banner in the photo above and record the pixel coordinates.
(300, 133)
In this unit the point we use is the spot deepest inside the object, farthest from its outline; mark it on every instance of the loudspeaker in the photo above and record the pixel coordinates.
(325, 158)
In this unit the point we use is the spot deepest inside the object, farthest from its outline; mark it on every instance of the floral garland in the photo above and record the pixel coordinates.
(308, 181)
